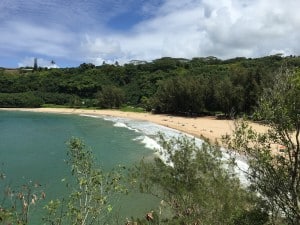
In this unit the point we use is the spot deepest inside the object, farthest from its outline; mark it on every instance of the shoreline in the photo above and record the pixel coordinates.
(200, 127)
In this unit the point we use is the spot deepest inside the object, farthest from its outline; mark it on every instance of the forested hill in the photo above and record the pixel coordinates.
(167, 85)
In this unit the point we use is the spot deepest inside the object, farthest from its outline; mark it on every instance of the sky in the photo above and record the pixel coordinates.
(71, 32)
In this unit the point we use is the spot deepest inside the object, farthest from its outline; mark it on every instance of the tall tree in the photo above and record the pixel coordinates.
(275, 174)
(110, 97)
(180, 95)
(229, 97)
(35, 64)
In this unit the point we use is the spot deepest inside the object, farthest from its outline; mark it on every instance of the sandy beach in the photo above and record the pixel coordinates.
(208, 127)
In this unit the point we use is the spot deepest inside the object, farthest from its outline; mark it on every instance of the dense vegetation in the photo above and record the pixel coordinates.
(196, 185)
(167, 85)
(273, 172)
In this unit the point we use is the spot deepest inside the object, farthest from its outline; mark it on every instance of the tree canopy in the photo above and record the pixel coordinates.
(167, 85)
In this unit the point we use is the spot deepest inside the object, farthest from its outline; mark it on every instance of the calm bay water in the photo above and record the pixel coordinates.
(33, 148)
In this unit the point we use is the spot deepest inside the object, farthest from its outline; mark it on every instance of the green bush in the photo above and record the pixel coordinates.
(26, 99)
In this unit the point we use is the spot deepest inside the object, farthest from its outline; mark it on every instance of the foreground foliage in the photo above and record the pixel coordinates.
(16, 203)
(196, 186)
(92, 193)
(274, 157)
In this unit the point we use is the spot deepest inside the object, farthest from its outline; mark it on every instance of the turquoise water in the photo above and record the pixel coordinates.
(33, 149)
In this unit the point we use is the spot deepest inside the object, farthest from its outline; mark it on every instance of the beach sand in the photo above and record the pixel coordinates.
(207, 127)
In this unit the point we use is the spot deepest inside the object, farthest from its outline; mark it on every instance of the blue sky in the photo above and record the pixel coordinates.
(71, 32)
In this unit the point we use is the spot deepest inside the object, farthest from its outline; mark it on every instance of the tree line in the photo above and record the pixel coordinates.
(199, 86)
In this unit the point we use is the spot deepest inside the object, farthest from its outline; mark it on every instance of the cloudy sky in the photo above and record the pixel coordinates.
(71, 32)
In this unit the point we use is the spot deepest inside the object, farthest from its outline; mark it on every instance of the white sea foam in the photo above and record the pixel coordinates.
(150, 143)
(241, 169)
(241, 166)
(92, 116)
(151, 130)
(119, 124)
(148, 135)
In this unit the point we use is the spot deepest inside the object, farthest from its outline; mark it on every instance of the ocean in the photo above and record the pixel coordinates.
(33, 150)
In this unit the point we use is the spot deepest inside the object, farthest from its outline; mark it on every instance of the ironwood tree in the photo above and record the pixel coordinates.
(274, 157)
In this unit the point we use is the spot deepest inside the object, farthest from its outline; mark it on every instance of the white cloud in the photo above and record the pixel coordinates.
(106, 48)
(24, 37)
(226, 28)
(55, 28)
(71, 13)
(176, 28)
